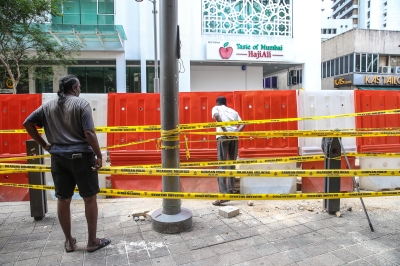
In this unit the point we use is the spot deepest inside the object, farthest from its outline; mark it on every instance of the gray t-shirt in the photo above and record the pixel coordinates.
(64, 125)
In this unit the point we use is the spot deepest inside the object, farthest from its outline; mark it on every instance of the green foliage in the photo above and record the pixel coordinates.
(23, 43)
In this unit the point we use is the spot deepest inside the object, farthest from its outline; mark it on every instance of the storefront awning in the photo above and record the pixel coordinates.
(86, 34)
(378, 88)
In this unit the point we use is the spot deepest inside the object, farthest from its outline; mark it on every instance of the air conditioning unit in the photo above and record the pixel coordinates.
(397, 70)
(385, 69)
(293, 73)
(293, 80)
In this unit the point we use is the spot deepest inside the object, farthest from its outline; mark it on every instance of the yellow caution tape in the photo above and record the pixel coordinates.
(213, 196)
(303, 133)
(184, 127)
(217, 172)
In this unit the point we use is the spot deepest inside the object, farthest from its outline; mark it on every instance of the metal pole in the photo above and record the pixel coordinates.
(357, 188)
(38, 198)
(171, 219)
(156, 80)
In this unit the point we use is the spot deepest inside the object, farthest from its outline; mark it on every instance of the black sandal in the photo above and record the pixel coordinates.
(102, 243)
(219, 202)
(73, 246)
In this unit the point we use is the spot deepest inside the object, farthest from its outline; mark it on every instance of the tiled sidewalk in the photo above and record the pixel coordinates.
(268, 233)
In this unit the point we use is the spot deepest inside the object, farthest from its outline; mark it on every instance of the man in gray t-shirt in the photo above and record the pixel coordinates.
(69, 127)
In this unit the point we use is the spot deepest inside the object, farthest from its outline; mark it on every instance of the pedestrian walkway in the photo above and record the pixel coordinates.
(268, 233)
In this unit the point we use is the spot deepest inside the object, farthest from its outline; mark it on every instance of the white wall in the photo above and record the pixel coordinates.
(225, 78)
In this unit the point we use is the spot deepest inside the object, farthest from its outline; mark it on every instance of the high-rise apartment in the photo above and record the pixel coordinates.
(368, 14)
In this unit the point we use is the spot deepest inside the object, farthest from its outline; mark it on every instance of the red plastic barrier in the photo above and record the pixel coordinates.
(259, 105)
(14, 110)
(316, 184)
(366, 101)
(8, 194)
(195, 107)
(133, 109)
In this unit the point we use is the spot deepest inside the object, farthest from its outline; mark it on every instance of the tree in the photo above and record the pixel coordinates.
(24, 44)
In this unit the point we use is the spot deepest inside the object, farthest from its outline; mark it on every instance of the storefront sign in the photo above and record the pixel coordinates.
(376, 79)
(244, 51)
(343, 81)
(367, 80)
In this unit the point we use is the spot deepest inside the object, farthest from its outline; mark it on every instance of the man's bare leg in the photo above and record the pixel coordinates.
(91, 213)
(64, 216)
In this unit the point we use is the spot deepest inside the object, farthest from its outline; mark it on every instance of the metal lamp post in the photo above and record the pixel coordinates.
(156, 82)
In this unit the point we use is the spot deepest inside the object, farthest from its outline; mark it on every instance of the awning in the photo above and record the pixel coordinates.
(86, 33)
(378, 88)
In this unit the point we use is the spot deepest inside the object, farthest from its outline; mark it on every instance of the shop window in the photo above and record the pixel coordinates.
(150, 78)
(351, 63)
(22, 86)
(328, 69)
(270, 82)
(336, 66)
(294, 77)
(324, 70)
(346, 64)
(43, 81)
(86, 12)
(340, 60)
(363, 63)
(133, 79)
(372, 63)
(95, 79)
(358, 63)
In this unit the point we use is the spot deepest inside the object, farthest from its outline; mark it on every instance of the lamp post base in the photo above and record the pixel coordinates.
(171, 224)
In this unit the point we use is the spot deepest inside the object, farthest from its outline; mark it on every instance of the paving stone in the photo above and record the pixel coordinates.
(252, 222)
(223, 248)
(231, 236)
(360, 250)
(196, 243)
(287, 232)
(14, 247)
(50, 260)
(296, 254)
(181, 259)
(230, 258)
(211, 261)
(119, 259)
(249, 254)
(138, 255)
(360, 262)
(329, 260)
(72, 256)
(9, 257)
(52, 250)
(379, 260)
(345, 255)
(27, 262)
(72, 263)
(30, 254)
(374, 245)
(391, 255)
(280, 259)
(266, 249)
(178, 248)
(257, 262)
(163, 261)
(157, 250)
(95, 262)
(213, 240)
(309, 262)
(203, 253)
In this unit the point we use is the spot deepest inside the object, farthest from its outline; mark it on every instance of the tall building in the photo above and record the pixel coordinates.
(225, 45)
(368, 14)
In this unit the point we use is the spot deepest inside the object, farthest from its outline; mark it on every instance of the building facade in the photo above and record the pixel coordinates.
(368, 14)
(225, 45)
(361, 59)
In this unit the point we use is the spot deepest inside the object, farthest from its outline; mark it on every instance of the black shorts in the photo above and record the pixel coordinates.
(68, 172)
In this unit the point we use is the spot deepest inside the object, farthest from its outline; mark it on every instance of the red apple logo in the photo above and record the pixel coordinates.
(225, 52)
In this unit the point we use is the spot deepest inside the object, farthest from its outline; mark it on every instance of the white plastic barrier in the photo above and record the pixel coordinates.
(379, 183)
(250, 185)
(99, 104)
(320, 103)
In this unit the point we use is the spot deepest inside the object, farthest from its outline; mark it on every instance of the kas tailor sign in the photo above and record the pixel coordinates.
(244, 51)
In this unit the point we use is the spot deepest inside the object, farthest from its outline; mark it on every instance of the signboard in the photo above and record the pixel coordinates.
(376, 79)
(6, 90)
(380, 80)
(245, 51)
(343, 81)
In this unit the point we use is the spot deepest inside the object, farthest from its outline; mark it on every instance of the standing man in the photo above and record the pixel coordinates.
(227, 146)
(69, 128)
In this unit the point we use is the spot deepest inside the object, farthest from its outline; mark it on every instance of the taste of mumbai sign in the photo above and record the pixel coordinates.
(244, 51)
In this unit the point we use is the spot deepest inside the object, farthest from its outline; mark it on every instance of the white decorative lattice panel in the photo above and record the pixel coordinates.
(251, 17)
